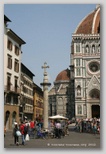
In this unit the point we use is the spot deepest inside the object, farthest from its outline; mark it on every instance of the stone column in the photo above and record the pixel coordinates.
(45, 85)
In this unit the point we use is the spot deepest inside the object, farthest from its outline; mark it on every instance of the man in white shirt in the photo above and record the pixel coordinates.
(58, 129)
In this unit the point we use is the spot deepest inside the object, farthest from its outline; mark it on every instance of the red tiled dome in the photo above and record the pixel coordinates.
(64, 75)
(90, 24)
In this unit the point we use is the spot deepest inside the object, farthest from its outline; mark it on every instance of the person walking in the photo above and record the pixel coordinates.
(16, 137)
(22, 129)
(58, 129)
(95, 127)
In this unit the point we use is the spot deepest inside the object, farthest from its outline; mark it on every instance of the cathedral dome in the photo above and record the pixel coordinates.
(90, 24)
(63, 75)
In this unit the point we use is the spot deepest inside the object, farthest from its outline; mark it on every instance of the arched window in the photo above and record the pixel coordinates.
(60, 103)
(77, 47)
(77, 62)
(79, 109)
(94, 94)
(78, 90)
(99, 48)
(78, 72)
(7, 115)
(93, 48)
(13, 118)
(87, 49)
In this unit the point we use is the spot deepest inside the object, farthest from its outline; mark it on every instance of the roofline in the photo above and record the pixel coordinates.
(82, 21)
(95, 12)
(35, 85)
(94, 19)
(9, 31)
(61, 81)
(27, 69)
(65, 70)
(6, 19)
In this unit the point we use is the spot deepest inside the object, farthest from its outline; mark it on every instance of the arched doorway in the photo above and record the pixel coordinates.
(7, 115)
(95, 111)
(95, 96)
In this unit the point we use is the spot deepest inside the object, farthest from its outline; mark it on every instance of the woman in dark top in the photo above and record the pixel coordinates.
(16, 138)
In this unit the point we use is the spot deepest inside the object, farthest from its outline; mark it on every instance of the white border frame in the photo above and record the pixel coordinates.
(103, 63)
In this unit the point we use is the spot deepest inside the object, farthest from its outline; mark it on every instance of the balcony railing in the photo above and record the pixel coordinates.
(12, 89)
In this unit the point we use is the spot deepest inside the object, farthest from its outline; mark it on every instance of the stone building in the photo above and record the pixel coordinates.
(78, 94)
(18, 81)
(59, 95)
(26, 98)
(85, 61)
(38, 102)
(12, 71)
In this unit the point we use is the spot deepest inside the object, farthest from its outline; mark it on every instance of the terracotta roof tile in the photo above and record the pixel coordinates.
(64, 75)
(86, 26)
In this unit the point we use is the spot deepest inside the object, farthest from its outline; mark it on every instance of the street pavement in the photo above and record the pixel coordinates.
(73, 140)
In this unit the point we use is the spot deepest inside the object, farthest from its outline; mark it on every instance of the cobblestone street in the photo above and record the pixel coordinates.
(73, 140)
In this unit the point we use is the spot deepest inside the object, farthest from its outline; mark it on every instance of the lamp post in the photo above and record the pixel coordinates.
(45, 85)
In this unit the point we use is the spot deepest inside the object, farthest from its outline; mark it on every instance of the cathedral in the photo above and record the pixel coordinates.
(76, 91)
(60, 94)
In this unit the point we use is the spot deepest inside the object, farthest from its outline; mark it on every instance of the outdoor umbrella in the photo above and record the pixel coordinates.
(58, 117)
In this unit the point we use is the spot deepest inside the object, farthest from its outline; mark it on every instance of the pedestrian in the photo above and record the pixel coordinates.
(16, 137)
(58, 129)
(82, 123)
(32, 128)
(80, 126)
(95, 127)
(22, 129)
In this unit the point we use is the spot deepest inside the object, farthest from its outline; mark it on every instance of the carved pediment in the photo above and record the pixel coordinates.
(94, 83)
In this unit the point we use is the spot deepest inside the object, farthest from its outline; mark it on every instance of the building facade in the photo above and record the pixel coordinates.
(38, 102)
(26, 99)
(12, 71)
(59, 96)
(85, 61)
(82, 100)
(20, 92)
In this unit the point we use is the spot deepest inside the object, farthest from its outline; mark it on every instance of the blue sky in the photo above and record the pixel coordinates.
(47, 30)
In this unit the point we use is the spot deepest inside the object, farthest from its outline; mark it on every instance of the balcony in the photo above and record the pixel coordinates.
(12, 89)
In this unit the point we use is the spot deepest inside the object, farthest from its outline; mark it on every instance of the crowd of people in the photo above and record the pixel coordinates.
(56, 129)
(88, 125)
(34, 129)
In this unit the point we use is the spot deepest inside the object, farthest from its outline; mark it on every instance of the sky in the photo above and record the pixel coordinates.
(47, 30)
